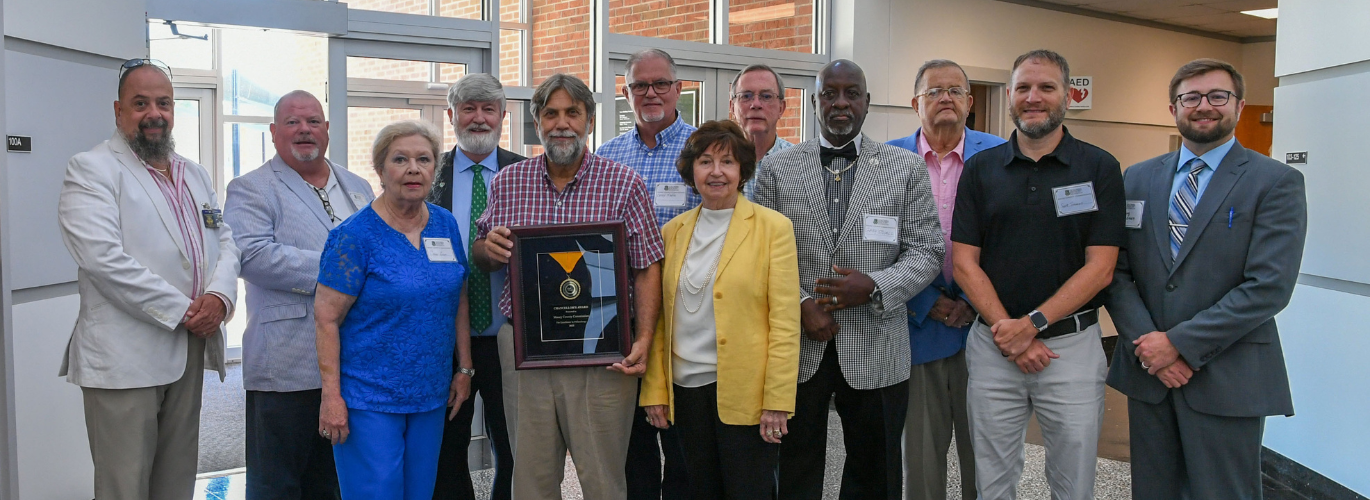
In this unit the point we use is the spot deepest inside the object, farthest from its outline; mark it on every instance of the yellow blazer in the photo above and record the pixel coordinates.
(756, 310)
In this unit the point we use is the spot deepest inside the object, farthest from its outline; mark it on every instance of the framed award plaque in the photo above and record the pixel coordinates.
(569, 288)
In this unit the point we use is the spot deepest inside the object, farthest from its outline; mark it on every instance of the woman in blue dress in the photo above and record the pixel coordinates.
(390, 309)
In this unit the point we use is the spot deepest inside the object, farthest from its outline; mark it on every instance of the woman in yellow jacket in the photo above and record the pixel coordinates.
(724, 362)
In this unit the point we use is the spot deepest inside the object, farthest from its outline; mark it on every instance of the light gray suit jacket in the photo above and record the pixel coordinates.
(281, 227)
(873, 342)
(1217, 300)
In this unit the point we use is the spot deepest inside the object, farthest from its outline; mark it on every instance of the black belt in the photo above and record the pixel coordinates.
(1070, 324)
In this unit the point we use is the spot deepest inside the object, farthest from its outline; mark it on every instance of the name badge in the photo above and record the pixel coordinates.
(1075, 199)
(671, 194)
(1134, 214)
(213, 217)
(439, 249)
(358, 200)
(880, 229)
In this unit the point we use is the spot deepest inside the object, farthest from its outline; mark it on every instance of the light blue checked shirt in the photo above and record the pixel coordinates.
(780, 145)
(1212, 160)
(656, 165)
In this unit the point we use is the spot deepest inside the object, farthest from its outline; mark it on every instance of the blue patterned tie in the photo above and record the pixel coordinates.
(1182, 206)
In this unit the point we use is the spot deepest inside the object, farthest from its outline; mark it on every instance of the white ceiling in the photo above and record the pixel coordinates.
(1219, 17)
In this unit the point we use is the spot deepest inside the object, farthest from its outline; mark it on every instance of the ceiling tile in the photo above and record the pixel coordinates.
(1171, 12)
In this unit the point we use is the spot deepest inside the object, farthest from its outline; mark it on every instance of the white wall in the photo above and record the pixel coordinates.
(1131, 64)
(61, 60)
(1323, 65)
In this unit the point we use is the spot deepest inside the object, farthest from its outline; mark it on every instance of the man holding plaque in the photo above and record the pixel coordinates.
(651, 148)
(868, 239)
(585, 410)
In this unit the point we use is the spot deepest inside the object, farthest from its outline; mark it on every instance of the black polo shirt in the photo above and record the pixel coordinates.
(1005, 206)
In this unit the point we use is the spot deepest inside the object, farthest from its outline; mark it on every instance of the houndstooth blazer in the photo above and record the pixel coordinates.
(873, 340)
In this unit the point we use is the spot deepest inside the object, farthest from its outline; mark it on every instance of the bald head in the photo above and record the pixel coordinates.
(145, 113)
(841, 101)
(299, 131)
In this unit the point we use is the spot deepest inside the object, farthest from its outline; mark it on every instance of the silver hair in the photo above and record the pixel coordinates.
(919, 85)
(395, 131)
(575, 87)
(476, 87)
(644, 54)
(779, 82)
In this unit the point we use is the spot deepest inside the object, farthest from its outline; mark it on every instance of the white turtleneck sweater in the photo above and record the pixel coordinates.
(695, 349)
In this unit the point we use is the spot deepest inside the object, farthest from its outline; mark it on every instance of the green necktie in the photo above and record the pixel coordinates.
(478, 283)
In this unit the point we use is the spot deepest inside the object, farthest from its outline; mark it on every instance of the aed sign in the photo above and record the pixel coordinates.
(18, 144)
(1081, 92)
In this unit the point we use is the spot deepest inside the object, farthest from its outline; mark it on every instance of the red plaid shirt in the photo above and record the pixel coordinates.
(522, 194)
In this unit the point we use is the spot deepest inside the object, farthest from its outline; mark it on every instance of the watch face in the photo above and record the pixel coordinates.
(1039, 320)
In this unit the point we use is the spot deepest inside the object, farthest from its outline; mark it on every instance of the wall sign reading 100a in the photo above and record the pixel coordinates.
(18, 144)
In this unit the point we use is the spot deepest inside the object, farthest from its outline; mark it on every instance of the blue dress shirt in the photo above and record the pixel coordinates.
(396, 342)
(1212, 159)
(462, 175)
(656, 165)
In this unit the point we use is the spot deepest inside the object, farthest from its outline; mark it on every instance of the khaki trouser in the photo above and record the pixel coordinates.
(588, 411)
(937, 404)
(509, 381)
(145, 442)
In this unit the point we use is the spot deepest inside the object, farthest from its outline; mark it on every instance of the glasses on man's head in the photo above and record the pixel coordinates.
(765, 97)
(1215, 98)
(660, 86)
(936, 93)
(132, 64)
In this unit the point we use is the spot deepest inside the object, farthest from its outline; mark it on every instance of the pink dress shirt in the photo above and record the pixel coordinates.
(945, 174)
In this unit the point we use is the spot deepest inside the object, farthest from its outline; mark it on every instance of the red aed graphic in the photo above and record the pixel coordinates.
(1078, 94)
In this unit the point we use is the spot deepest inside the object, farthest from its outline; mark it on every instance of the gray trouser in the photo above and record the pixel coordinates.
(1068, 398)
(937, 405)
(145, 442)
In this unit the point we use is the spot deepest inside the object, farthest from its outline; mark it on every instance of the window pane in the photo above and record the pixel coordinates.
(674, 19)
(362, 126)
(253, 83)
(187, 135)
(178, 52)
(791, 125)
(561, 38)
(388, 69)
(689, 105)
(464, 9)
(511, 11)
(511, 57)
(771, 24)
(246, 147)
(450, 72)
(420, 7)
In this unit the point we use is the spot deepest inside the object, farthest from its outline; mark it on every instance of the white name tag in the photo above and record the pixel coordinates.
(358, 200)
(1075, 199)
(880, 229)
(1134, 214)
(671, 194)
(439, 250)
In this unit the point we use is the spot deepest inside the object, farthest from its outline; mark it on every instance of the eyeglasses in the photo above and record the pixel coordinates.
(661, 86)
(765, 97)
(1215, 98)
(936, 93)
(131, 64)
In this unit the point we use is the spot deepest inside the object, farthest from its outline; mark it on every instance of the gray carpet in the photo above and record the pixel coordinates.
(222, 418)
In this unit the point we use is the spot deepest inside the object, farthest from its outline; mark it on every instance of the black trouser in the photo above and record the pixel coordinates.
(454, 474)
(724, 461)
(872, 431)
(286, 457)
(646, 479)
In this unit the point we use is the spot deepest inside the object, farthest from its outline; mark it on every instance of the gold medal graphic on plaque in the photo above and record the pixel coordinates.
(570, 288)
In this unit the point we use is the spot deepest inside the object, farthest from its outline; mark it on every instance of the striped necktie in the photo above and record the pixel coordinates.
(478, 282)
(1182, 206)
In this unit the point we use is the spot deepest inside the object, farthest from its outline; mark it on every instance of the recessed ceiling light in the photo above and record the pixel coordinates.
(1263, 13)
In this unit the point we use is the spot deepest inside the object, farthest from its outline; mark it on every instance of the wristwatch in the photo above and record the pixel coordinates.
(470, 372)
(1039, 320)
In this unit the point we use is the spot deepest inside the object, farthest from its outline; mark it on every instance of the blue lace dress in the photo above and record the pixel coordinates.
(398, 338)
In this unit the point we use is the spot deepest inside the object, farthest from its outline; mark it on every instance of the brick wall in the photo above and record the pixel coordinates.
(686, 20)
(561, 38)
(791, 32)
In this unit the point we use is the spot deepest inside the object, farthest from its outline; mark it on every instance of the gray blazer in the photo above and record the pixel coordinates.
(281, 227)
(1217, 301)
(873, 341)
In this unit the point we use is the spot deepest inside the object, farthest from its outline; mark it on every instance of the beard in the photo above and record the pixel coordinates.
(1225, 126)
(305, 157)
(152, 150)
(1039, 130)
(653, 117)
(477, 144)
(562, 154)
(840, 130)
